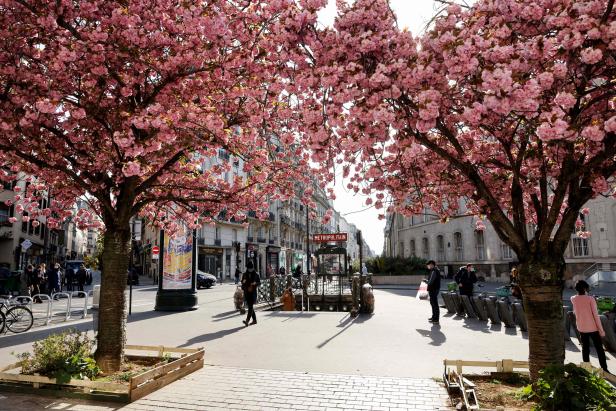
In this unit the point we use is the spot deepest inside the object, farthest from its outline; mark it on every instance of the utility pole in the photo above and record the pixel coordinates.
(361, 252)
(307, 242)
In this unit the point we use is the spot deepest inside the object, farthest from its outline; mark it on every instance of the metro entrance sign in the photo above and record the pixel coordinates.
(326, 238)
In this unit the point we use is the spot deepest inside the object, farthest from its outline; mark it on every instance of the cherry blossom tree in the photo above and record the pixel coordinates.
(120, 102)
(507, 104)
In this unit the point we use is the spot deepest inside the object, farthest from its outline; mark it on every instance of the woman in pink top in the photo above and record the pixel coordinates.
(588, 322)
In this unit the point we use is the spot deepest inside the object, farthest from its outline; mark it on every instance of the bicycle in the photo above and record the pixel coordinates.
(17, 319)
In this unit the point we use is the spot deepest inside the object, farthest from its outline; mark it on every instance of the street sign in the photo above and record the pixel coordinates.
(26, 244)
(326, 238)
(155, 252)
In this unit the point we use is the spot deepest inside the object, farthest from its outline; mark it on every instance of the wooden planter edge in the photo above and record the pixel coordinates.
(139, 385)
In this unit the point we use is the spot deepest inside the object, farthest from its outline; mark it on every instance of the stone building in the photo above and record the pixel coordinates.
(456, 242)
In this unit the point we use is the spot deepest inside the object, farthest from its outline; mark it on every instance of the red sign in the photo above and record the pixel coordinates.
(155, 250)
(326, 238)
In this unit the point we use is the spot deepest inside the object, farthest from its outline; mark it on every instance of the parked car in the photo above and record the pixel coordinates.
(205, 280)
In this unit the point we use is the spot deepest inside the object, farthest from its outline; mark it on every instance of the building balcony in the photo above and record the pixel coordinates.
(217, 242)
(250, 239)
(272, 241)
(260, 240)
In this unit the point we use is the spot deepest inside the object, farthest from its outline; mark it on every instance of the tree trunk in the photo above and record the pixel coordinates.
(112, 305)
(541, 282)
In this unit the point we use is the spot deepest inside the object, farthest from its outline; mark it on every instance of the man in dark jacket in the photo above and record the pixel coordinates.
(466, 278)
(434, 287)
(250, 283)
(82, 275)
(69, 277)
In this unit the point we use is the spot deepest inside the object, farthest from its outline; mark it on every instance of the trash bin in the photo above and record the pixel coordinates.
(96, 296)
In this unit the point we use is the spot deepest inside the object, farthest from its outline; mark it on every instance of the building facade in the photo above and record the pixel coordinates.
(456, 242)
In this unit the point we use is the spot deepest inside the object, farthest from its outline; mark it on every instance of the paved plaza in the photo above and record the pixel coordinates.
(291, 360)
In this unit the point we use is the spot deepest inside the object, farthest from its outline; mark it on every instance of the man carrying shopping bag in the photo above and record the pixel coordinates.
(434, 287)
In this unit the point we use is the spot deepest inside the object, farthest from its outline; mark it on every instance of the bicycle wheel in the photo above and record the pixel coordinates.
(2, 322)
(19, 319)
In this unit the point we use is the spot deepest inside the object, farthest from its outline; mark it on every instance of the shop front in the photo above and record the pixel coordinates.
(210, 260)
(272, 255)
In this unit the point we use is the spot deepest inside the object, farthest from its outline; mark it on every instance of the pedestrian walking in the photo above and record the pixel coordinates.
(54, 277)
(588, 323)
(516, 291)
(82, 275)
(466, 278)
(434, 287)
(250, 283)
(70, 278)
(237, 275)
(32, 280)
(41, 274)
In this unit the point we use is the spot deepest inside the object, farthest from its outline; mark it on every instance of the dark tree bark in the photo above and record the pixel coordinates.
(112, 306)
(541, 281)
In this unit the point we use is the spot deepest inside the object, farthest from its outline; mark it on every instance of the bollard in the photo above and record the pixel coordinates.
(480, 307)
(355, 296)
(468, 306)
(56, 297)
(520, 316)
(505, 313)
(96, 296)
(492, 307)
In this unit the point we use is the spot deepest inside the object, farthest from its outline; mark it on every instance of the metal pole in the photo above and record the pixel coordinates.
(307, 242)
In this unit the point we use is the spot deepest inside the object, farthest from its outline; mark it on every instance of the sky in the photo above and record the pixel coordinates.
(414, 15)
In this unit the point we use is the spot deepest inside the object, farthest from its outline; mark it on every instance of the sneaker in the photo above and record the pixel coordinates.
(430, 320)
(245, 323)
(253, 323)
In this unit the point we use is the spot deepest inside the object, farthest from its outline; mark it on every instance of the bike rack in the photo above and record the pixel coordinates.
(56, 297)
(85, 302)
(43, 298)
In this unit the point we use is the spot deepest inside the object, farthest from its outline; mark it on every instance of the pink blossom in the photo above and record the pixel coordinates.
(610, 125)
(12, 220)
(131, 168)
(593, 133)
(591, 56)
(585, 210)
(565, 100)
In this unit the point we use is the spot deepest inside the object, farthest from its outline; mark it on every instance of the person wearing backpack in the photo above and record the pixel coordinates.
(466, 278)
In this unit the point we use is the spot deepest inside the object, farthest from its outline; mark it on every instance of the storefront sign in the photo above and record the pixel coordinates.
(326, 238)
(177, 260)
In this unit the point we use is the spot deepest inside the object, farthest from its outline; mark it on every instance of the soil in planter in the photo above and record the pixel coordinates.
(132, 366)
(501, 390)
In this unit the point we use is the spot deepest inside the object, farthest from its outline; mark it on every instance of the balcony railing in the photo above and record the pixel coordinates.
(250, 239)
(260, 240)
(217, 242)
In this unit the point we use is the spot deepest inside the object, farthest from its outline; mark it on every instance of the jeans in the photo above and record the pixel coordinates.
(596, 340)
(436, 311)
(250, 301)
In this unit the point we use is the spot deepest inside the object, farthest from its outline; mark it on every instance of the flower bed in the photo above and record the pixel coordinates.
(146, 374)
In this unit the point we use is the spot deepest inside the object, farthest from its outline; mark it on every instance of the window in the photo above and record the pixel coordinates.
(458, 248)
(5, 214)
(234, 235)
(440, 248)
(401, 252)
(426, 216)
(217, 233)
(480, 245)
(413, 250)
(506, 251)
(580, 247)
(425, 245)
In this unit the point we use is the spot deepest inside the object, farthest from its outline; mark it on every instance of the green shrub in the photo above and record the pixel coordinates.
(62, 356)
(397, 266)
(569, 387)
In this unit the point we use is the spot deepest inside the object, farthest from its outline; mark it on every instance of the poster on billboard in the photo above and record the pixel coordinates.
(178, 260)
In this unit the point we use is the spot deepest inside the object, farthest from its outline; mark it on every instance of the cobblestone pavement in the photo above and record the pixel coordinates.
(224, 388)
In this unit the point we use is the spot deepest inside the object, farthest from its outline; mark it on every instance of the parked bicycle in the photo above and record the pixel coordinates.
(16, 318)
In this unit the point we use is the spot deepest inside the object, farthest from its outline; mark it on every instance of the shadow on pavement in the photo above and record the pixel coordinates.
(31, 336)
(435, 333)
(147, 315)
(212, 336)
(344, 323)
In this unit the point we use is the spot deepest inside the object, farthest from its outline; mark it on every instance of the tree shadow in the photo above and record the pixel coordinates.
(344, 323)
(211, 336)
(438, 338)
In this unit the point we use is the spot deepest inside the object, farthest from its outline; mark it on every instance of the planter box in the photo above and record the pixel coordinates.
(140, 385)
(397, 279)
